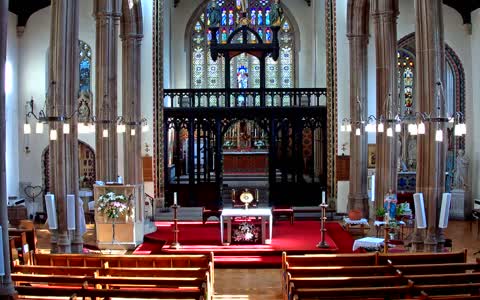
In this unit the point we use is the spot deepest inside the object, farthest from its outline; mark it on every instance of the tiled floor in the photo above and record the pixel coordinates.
(264, 284)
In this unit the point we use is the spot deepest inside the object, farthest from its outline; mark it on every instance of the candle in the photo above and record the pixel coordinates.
(323, 197)
(175, 198)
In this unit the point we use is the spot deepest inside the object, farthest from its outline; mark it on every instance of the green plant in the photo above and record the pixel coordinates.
(380, 212)
(401, 209)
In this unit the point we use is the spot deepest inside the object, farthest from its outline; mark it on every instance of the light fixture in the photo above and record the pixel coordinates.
(105, 133)
(415, 122)
(66, 128)
(398, 128)
(132, 131)
(421, 128)
(27, 129)
(39, 128)
(439, 135)
(86, 122)
(53, 134)
(390, 132)
(357, 131)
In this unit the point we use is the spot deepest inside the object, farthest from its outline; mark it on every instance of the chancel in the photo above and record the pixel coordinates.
(239, 149)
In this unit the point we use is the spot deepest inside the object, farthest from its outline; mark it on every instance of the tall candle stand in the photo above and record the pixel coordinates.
(323, 230)
(175, 244)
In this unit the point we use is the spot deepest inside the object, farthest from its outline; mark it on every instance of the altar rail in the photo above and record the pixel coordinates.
(292, 97)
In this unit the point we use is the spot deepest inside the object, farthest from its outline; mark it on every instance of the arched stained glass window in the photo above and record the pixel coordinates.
(205, 73)
(406, 79)
(85, 52)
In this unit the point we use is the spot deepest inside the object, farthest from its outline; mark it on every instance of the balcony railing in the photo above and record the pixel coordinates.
(202, 98)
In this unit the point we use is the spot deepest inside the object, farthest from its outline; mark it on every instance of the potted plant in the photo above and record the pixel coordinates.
(400, 211)
(380, 214)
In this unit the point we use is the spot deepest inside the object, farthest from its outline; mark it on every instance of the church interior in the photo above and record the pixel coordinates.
(240, 149)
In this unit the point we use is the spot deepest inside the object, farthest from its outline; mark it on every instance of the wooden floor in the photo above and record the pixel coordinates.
(250, 284)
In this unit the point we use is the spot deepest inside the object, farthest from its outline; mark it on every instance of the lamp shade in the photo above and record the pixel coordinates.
(390, 132)
(439, 135)
(381, 127)
(39, 127)
(66, 128)
(27, 129)
(421, 128)
(53, 135)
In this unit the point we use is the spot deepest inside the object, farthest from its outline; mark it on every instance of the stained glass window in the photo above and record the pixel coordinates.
(85, 52)
(406, 79)
(205, 73)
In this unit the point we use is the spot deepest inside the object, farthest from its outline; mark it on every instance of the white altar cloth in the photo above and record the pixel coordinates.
(368, 243)
(229, 213)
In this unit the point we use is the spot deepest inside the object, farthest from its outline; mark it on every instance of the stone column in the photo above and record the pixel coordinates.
(131, 35)
(6, 284)
(158, 83)
(357, 33)
(385, 14)
(431, 155)
(107, 15)
(62, 94)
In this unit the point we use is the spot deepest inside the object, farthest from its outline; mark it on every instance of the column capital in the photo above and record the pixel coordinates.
(131, 36)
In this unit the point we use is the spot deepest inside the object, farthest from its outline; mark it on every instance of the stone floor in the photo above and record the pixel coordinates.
(264, 284)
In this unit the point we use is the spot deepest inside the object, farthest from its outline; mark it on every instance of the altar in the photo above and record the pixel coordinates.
(229, 213)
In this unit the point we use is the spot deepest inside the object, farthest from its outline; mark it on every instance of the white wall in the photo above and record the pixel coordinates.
(11, 113)
(473, 129)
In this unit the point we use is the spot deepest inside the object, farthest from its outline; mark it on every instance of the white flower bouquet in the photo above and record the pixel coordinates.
(112, 205)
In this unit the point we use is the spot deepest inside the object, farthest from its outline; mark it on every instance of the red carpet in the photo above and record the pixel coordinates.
(195, 237)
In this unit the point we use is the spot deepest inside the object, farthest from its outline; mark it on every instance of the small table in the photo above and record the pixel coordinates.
(368, 243)
(362, 222)
(229, 213)
(379, 224)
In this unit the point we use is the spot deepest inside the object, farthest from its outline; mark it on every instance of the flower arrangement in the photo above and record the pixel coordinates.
(112, 205)
(246, 232)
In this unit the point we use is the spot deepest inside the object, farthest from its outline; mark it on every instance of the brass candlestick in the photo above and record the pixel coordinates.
(385, 238)
(323, 230)
(175, 244)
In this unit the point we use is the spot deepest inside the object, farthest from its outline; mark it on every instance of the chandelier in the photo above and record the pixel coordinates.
(414, 121)
(86, 123)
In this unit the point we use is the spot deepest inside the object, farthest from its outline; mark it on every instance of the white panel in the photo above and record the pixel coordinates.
(420, 218)
(342, 196)
(51, 211)
(2, 259)
(71, 212)
(444, 210)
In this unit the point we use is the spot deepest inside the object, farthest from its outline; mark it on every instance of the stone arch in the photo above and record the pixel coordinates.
(131, 21)
(86, 163)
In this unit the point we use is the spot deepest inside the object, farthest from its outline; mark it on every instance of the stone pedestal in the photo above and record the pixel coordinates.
(125, 232)
(457, 208)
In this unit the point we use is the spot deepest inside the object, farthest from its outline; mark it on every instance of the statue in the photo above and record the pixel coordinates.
(276, 13)
(461, 167)
(214, 14)
(390, 204)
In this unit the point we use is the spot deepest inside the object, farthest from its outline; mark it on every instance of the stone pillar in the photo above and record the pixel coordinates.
(107, 15)
(158, 83)
(131, 35)
(62, 95)
(357, 33)
(6, 284)
(431, 155)
(385, 14)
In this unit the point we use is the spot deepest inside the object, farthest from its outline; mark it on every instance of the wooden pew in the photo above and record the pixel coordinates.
(302, 284)
(448, 290)
(138, 284)
(447, 268)
(57, 270)
(176, 263)
(423, 258)
(363, 259)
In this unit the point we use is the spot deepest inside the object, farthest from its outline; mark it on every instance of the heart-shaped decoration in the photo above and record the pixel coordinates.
(33, 192)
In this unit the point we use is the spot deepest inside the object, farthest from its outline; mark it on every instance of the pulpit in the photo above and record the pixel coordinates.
(125, 232)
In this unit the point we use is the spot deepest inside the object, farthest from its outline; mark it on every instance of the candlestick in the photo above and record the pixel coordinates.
(175, 244)
(175, 198)
(323, 230)
(323, 197)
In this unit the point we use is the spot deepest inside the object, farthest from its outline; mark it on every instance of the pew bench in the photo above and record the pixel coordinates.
(422, 258)
(151, 285)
